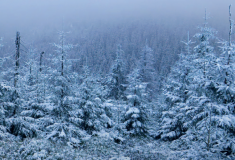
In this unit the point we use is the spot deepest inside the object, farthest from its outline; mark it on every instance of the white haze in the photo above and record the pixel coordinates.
(25, 15)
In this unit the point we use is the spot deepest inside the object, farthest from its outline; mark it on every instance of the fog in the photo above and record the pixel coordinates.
(97, 26)
(109, 22)
(26, 15)
(117, 79)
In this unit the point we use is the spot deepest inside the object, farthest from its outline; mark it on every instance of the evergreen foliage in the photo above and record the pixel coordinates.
(146, 69)
(117, 81)
(198, 97)
(61, 107)
(91, 112)
(136, 117)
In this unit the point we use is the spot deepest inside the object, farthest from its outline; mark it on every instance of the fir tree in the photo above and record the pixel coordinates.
(199, 109)
(93, 115)
(62, 129)
(135, 118)
(116, 81)
(147, 70)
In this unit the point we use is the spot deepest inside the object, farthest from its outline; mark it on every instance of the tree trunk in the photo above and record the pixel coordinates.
(17, 56)
(41, 61)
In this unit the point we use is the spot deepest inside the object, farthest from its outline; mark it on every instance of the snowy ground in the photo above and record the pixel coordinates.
(101, 147)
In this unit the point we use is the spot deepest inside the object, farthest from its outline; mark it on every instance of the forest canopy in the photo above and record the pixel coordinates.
(126, 79)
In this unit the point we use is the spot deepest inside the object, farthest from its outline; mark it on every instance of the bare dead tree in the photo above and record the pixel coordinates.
(41, 61)
(17, 57)
(230, 44)
(231, 25)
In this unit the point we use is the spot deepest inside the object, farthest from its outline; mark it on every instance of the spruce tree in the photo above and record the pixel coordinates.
(135, 118)
(92, 114)
(116, 81)
(198, 103)
(62, 97)
(147, 70)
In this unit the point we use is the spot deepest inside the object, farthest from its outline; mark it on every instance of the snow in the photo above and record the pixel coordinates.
(134, 124)
(4, 86)
(227, 121)
(135, 116)
(97, 100)
(48, 106)
(51, 134)
(120, 158)
(62, 134)
(132, 97)
(104, 134)
(108, 104)
(133, 110)
(75, 141)
(80, 108)
(138, 123)
(86, 138)
(42, 154)
(143, 86)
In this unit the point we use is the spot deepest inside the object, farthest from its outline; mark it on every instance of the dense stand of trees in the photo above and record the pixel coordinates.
(125, 83)
(198, 96)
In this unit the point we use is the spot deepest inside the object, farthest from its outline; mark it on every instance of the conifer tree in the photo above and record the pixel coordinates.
(197, 104)
(18, 124)
(117, 81)
(92, 114)
(135, 118)
(147, 70)
(190, 88)
(62, 129)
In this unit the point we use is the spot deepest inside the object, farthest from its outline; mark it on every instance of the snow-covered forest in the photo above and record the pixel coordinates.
(118, 87)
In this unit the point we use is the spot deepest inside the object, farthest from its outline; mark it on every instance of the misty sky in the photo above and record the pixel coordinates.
(24, 15)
